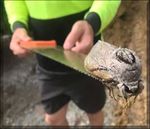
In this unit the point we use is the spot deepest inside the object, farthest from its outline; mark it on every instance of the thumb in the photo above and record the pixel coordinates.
(72, 38)
(24, 36)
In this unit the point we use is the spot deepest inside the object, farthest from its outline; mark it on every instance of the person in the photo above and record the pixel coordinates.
(75, 25)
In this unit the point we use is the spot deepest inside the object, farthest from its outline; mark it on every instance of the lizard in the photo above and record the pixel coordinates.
(117, 68)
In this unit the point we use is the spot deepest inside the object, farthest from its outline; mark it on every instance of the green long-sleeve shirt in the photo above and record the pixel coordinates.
(21, 10)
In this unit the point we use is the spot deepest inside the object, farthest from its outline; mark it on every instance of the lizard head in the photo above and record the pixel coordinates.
(129, 80)
(115, 67)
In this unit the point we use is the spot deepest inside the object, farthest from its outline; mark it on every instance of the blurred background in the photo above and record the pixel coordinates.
(20, 96)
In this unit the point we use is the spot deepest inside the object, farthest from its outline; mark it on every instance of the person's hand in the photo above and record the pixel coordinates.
(80, 39)
(19, 35)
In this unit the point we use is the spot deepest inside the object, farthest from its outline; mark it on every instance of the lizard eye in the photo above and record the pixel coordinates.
(125, 55)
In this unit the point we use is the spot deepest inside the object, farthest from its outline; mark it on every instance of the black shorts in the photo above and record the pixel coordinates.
(58, 88)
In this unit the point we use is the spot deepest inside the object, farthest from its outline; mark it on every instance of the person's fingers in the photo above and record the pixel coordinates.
(84, 45)
(82, 48)
(80, 39)
(25, 37)
(15, 47)
(14, 43)
(73, 37)
(18, 36)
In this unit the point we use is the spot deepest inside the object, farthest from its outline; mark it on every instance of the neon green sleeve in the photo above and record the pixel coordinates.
(106, 10)
(16, 11)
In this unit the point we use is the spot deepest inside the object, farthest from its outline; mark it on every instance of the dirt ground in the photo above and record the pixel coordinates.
(130, 30)
(20, 87)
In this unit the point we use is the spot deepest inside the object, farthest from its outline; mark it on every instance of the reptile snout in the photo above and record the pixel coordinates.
(127, 92)
(133, 89)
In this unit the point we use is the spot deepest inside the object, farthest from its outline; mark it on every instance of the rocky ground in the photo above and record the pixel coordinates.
(20, 87)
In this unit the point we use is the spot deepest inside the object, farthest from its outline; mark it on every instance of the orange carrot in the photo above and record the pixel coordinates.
(38, 44)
